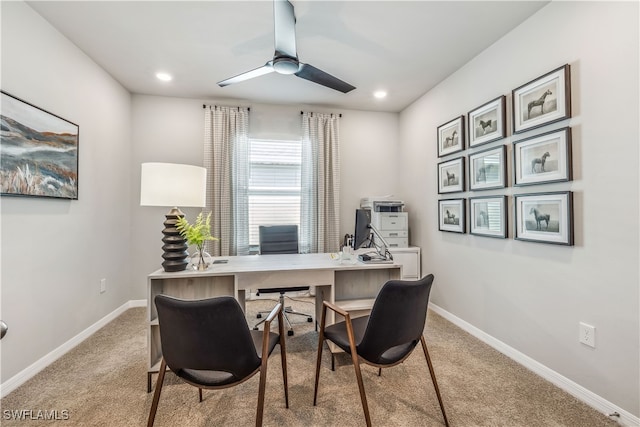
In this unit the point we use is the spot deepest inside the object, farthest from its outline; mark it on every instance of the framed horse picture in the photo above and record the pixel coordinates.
(451, 215)
(451, 176)
(544, 100)
(488, 169)
(451, 137)
(543, 158)
(544, 217)
(487, 123)
(488, 216)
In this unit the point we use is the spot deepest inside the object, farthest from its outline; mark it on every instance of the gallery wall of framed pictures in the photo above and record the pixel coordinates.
(539, 154)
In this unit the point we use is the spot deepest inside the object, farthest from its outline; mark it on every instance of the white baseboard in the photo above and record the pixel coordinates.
(27, 373)
(579, 392)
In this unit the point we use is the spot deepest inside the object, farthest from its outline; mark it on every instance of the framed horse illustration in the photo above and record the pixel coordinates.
(488, 169)
(451, 215)
(451, 176)
(544, 100)
(487, 123)
(451, 137)
(544, 217)
(488, 216)
(543, 158)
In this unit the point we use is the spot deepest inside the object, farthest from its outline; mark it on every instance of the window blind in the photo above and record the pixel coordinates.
(274, 184)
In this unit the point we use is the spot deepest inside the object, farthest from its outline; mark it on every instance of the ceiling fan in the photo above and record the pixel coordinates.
(285, 58)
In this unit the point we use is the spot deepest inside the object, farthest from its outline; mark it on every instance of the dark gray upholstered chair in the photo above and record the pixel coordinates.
(208, 344)
(281, 239)
(384, 338)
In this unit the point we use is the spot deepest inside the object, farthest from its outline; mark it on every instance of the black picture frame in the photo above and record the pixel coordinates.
(488, 122)
(452, 215)
(38, 151)
(542, 159)
(451, 177)
(450, 137)
(544, 100)
(544, 217)
(488, 216)
(488, 169)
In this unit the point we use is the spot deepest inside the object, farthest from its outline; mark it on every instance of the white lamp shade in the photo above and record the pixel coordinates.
(170, 184)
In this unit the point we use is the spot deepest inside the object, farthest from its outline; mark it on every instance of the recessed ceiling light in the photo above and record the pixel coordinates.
(380, 94)
(164, 77)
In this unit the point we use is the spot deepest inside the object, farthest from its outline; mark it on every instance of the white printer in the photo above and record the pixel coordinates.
(389, 218)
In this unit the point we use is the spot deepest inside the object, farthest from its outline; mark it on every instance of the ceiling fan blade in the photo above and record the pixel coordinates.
(285, 28)
(265, 69)
(311, 73)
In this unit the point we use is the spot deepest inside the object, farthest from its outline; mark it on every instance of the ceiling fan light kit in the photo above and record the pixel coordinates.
(285, 58)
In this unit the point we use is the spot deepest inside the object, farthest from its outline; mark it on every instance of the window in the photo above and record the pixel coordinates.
(274, 184)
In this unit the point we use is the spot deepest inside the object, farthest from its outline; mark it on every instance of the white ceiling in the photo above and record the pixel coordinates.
(405, 48)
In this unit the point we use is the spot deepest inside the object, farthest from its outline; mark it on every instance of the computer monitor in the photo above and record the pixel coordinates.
(362, 233)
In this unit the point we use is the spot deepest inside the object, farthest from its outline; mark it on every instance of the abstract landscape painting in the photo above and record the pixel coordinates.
(38, 151)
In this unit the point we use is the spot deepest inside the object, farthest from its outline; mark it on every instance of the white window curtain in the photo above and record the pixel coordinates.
(226, 158)
(320, 183)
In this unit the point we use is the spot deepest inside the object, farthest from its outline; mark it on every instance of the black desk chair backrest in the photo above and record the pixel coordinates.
(208, 344)
(278, 239)
(281, 239)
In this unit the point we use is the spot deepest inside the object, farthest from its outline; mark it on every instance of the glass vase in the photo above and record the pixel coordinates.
(200, 260)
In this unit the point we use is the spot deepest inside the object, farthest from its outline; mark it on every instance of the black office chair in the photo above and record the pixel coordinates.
(280, 239)
(208, 344)
(384, 338)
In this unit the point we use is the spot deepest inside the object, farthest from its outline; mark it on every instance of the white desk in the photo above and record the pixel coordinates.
(351, 286)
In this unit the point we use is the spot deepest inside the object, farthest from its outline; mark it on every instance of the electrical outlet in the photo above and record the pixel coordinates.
(103, 286)
(587, 335)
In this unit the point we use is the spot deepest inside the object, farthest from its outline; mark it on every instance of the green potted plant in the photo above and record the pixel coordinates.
(197, 234)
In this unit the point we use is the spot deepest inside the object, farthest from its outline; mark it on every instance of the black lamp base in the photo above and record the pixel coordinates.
(175, 248)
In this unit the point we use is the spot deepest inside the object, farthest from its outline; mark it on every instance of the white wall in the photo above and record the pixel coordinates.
(172, 130)
(531, 296)
(54, 252)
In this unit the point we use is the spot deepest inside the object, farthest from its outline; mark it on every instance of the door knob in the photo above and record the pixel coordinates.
(3, 329)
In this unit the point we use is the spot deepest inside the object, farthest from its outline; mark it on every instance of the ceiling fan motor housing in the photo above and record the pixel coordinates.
(286, 65)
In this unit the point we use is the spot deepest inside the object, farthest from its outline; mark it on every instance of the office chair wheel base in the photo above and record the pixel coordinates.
(309, 319)
(290, 333)
(258, 316)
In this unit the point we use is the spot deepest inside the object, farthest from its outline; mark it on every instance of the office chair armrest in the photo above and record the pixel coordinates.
(277, 311)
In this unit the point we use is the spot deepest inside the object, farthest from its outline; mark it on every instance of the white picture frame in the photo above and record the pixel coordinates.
(487, 123)
(452, 215)
(544, 217)
(488, 216)
(543, 158)
(451, 137)
(488, 169)
(544, 100)
(451, 176)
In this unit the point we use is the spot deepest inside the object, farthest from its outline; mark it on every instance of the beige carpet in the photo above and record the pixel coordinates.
(102, 382)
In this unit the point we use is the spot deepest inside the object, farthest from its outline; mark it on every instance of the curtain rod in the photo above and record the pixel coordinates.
(339, 115)
(205, 106)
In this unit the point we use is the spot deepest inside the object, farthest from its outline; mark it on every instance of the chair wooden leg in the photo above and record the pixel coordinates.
(263, 381)
(363, 396)
(356, 366)
(319, 359)
(156, 394)
(379, 372)
(200, 393)
(433, 378)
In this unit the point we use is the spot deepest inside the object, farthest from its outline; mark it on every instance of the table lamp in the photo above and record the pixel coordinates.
(170, 184)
